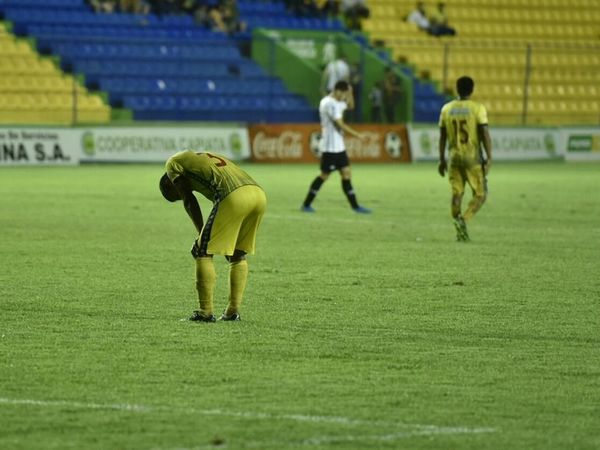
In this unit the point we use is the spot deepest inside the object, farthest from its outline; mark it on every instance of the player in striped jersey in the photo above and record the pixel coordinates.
(230, 229)
(332, 147)
(464, 127)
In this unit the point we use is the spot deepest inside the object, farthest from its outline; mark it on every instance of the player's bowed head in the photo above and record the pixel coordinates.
(168, 189)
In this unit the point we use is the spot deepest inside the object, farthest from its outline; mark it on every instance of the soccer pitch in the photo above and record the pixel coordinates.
(358, 331)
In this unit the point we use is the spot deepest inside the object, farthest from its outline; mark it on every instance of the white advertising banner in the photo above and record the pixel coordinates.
(156, 144)
(582, 143)
(39, 146)
(508, 144)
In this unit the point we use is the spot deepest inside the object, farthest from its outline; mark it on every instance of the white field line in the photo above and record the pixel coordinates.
(346, 421)
(324, 440)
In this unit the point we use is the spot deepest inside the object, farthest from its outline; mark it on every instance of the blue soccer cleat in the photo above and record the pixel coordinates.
(307, 209)
(362, 210)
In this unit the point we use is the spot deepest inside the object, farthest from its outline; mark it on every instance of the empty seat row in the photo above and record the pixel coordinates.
(27, 65)
(51, 101)
(31, 16)
(46, 4)
(95, 69)
(39, 84)
(264, 9)
(147, 51)
(119, 87)
(247, 103)
(52, 32)
(303, 23)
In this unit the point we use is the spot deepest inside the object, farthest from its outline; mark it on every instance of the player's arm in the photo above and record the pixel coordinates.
(348, 129)
(484, 137)
(443, 166)
(190, 202)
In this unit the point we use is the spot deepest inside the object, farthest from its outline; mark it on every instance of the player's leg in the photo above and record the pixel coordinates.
(313, 190)
(238, 278)
(457, 178)
(346, 174)
(476, 179)
(316, 184)
(206, 278)
(242, 212)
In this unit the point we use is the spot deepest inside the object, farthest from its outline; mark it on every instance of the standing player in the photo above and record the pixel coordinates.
(331, 145)
(464, 125)
(230, 229)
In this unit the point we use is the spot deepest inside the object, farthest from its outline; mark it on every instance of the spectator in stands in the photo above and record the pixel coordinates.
(354, 11)
(376, 100)
(103, 6)
(336, 70)
(190, 6)
(166, 7)
(329, 8)
(134, 6)
(439, 22)
(230, 14)
(392, 92)
(303, 8)
(419, 17)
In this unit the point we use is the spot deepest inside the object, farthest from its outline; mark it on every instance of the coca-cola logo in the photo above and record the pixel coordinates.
(367, 148)
(287, 145)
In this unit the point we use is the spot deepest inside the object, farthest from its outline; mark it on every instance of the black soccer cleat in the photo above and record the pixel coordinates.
(462, 234)
(198, 317)
(235, 317)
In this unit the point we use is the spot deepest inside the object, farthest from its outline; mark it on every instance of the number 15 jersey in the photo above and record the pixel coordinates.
(211, 175)
(461, 118)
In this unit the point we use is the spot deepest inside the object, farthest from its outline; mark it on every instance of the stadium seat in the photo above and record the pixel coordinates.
(492, 46)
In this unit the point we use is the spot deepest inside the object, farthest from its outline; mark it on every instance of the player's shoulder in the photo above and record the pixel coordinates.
(448, 105)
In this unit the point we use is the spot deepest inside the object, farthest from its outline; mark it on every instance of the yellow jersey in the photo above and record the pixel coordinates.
(211, 175)
(461, 119)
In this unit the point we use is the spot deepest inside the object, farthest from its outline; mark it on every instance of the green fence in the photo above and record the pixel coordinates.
(299, 57)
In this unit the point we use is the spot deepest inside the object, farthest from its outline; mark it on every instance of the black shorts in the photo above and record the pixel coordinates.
(334, 161)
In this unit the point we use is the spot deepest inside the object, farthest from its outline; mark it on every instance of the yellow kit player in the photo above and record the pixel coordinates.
(464, 126)
(230, 229)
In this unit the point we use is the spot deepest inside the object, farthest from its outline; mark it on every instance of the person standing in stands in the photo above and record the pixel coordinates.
(336, 70)
(392, 90)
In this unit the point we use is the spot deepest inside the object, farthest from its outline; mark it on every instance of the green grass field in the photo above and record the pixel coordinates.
(358, 332)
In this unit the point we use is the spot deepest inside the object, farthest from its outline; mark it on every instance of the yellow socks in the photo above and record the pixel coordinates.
(238, 275)
(206, 278)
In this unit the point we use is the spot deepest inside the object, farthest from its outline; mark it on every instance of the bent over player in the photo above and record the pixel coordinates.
(230, 229)
(464, 126)
(332, 147)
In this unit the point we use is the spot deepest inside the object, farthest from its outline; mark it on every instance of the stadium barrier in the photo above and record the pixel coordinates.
(519, 143)
(275, 143)
(61, 146)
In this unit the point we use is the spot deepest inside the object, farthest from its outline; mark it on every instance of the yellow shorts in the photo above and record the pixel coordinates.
(233, 222)
(461, 173)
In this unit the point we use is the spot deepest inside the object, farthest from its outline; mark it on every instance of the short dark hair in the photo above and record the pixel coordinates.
(341, 86)
(464, 86)
(166, 187)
